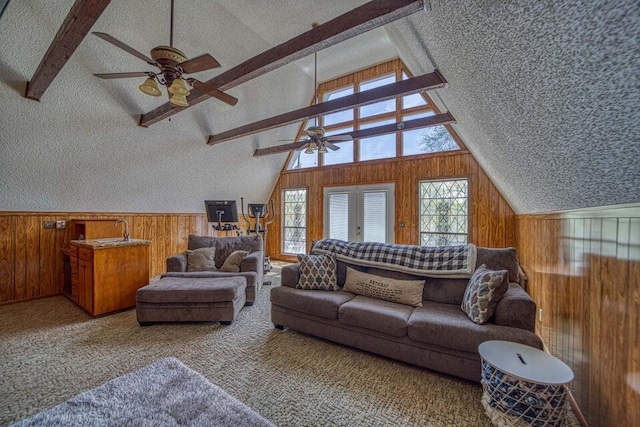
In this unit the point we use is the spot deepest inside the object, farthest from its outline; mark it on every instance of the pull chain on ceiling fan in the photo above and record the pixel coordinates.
(173, 65)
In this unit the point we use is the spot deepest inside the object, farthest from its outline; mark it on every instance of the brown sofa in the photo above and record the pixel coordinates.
(437, 336)
(251, 268)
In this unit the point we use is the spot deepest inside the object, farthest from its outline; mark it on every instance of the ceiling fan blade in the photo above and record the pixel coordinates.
(345, 137)
(331, 146)
(231, 100)
(199, 63)
(121, 75)
(127, 48)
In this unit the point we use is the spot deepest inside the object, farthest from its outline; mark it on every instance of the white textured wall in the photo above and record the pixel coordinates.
(546, 93)
(80, 149)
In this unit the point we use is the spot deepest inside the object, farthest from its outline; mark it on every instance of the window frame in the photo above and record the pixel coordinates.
(285, 227)
(469, 207)
(394, 67)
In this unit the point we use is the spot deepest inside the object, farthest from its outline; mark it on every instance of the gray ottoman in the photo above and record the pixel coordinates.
(183, 299)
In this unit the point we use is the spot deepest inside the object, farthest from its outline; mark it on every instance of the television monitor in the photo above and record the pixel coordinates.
(221, 211)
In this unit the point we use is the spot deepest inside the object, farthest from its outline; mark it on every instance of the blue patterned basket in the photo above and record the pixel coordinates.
(510, 401)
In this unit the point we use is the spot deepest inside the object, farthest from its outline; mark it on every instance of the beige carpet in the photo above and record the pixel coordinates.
(50, 350)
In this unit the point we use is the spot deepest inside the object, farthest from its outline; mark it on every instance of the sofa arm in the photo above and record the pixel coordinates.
(177, 262)
(290, 275)
(253, 262)
(516, 309)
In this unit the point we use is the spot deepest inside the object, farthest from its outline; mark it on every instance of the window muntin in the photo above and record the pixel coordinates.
(444, 212)
(294, 240)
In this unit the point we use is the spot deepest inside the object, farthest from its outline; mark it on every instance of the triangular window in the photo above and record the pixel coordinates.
(413, 142)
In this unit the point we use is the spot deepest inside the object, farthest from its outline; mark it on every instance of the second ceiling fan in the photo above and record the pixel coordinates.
(316, 134)
(173, 65)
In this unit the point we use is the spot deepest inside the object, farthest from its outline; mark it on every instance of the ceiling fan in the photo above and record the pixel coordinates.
(316, 139)
(173, 65)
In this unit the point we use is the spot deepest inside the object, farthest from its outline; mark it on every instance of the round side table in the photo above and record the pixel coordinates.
(523, 386)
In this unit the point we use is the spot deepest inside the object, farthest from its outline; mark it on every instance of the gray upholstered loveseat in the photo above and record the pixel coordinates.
(438, 335)
(251, 268)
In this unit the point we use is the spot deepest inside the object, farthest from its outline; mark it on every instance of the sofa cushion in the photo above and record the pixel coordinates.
(378, 315)
(317, 272)
(407, 292)
(225, 246)
(317, 303)
(484, 291)
(445, 290)
(501, 259)
(234, 261)
(446, 326)
(192, 290)
(201, 259)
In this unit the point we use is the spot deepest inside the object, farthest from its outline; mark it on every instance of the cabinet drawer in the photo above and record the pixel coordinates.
(85, 254)
(73, 251)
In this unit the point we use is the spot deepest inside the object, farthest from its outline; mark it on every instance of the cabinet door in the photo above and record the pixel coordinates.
(85, 284)
(75, 277)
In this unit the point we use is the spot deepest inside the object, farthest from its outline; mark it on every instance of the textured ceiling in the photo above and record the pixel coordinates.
(546, 95)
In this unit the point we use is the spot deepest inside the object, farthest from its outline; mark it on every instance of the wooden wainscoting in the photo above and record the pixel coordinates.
(583, 271)
(492, 221)
(31, 264)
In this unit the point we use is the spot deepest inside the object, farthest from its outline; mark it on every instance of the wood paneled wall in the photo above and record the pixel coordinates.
(31, 263)
(583, 271)
(492, 221)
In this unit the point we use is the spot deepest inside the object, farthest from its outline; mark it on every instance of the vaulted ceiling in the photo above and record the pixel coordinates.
(546, 95)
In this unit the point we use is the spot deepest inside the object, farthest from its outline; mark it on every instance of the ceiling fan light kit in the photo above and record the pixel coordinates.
(150, 87)
(173, 65)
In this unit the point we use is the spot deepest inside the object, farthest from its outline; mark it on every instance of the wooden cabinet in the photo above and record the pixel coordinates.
(105, 278)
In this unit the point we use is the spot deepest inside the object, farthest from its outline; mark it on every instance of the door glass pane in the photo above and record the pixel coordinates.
(339, 216)
(374, 217)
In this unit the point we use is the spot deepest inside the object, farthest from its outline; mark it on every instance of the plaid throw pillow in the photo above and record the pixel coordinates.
(485, 289)
(318, 272)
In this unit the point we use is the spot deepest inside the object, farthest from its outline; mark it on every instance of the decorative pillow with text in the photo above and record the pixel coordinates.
(407, 292)
(318, 272)
(201, 259)
(485, 289)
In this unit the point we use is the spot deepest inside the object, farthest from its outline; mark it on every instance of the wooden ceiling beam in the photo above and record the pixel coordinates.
(367, 17)
(424, 122)
(79, 20)
(429, 81)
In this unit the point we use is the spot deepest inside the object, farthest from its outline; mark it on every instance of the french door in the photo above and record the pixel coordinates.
(363, 213)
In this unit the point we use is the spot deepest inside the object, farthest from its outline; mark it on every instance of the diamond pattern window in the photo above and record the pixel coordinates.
(444, 212)
(294, 221)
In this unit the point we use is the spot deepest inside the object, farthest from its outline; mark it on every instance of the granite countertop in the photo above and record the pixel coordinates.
(109, 243)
